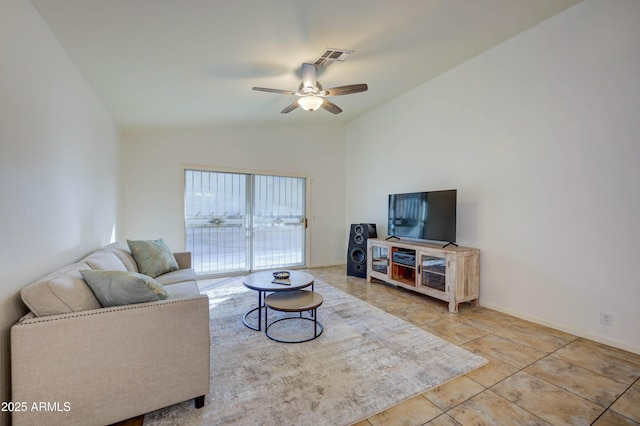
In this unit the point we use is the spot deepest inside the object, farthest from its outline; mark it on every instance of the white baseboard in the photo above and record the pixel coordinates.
(325, 265)
(561, 327)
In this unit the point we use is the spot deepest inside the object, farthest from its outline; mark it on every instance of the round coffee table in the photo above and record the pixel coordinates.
(294, 301)
(263, 282)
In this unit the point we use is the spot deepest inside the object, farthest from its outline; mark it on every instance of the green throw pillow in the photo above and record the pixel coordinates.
(154, 257)
(115, 288)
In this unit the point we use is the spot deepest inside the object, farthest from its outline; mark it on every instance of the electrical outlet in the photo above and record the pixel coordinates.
(606, 319)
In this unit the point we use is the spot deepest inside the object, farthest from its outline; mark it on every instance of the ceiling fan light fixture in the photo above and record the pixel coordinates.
(310, 103)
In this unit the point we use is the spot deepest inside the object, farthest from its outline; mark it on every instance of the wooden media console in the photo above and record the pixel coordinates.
(448, 273)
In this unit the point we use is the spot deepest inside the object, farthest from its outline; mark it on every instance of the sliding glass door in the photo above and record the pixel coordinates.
(216, 221)
(239, 222)
(278, 221)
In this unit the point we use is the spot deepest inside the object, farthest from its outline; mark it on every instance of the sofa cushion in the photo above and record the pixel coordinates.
(104, 260)
(124, 255)
(60, 292)
(153, 257)
(178, 276)
(116, 288)
(183, 289)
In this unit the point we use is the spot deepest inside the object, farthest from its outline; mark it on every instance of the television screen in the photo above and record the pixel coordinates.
(423, 215)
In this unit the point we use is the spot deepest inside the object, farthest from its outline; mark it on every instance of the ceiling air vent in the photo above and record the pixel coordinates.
(330, 56)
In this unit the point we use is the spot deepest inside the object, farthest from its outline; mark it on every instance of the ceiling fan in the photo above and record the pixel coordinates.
(312, 96)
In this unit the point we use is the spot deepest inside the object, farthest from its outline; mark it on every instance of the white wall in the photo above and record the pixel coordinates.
(153, 196)
(59, 155)
(541, 137)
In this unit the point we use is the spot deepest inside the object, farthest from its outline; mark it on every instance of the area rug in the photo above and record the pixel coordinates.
(364, 362)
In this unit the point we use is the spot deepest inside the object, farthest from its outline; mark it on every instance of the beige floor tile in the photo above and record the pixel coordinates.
(537, 337)
(580, 381)
(492, 372)
(453, 393)
(613, 352)
(488, 408)
(491, 321)
(388, 302)
(525, 332)
(419, 314)
(454, 331)
(443, 420)
(610, 362)
(414, 412)
(629, 403)
(506, 350)
(609, 418)
(547, 401)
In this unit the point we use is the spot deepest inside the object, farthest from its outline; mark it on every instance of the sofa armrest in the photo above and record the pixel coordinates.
(183, 258)
(110, 364)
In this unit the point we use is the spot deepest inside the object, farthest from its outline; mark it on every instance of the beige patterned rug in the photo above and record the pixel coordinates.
(365, 361)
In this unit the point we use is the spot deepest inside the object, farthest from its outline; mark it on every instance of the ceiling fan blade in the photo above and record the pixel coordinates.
(331, 107)
(309, 75)
(290, 108)
(346, 90)
(264, 89)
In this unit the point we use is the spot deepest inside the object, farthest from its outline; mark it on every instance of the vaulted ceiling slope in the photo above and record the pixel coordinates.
(161, 63)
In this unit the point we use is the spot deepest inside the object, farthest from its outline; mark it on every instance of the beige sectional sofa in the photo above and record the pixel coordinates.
(74, 362)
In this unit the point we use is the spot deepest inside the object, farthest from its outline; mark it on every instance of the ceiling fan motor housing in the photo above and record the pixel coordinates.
(311, 94)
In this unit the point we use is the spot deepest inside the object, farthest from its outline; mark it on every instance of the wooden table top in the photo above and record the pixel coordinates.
(294, 301)
(264, 281)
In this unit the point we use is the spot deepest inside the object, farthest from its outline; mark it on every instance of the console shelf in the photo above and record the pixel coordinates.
(451, 274)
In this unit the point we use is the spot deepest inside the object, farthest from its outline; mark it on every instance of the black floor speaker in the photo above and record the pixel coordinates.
(357, 248)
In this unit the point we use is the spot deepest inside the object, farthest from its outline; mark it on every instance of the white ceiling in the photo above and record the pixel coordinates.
(178, 63)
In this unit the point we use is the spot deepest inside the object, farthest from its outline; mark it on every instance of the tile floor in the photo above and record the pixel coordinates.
(535, 375)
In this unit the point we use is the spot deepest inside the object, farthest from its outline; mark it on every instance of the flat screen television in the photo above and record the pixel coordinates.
(423, 215)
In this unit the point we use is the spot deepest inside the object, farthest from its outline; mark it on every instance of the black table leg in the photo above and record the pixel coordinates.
(259, 309)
